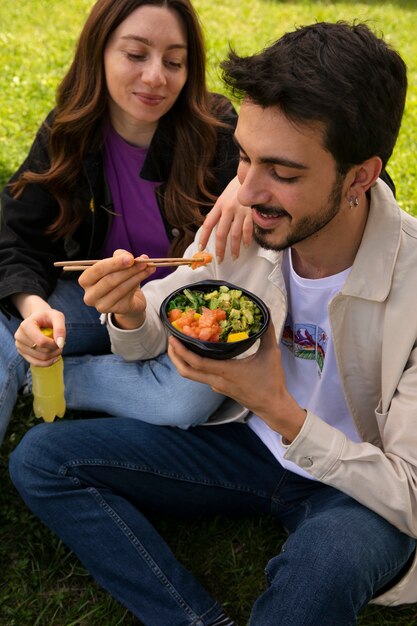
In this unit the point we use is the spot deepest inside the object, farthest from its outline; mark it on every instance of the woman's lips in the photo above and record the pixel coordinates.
(149, 99)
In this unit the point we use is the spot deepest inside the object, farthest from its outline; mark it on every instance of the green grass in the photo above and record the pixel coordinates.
(37, 39)
(42, 583)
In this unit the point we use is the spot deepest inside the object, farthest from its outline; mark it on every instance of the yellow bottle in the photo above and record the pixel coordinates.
(48, 388)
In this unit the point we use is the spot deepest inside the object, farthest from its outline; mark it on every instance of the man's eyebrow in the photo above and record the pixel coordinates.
(149, 42)
(276, 160)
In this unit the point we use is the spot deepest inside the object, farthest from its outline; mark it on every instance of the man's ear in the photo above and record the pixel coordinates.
(364, 175)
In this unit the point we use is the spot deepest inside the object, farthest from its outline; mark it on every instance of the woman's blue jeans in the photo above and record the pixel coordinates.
(93, 482)
(98, 381)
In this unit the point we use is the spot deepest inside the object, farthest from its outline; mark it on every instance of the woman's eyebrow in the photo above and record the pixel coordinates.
(149, 42)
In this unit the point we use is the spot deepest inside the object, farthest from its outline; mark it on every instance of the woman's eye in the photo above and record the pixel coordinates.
(135, 57)
(243, 158)
(176, 65)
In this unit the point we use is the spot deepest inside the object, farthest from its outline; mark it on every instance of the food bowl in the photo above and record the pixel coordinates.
(225, 349)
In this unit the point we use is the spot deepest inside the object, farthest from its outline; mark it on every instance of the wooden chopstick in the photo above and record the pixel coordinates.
(80, 266)
(88, 262)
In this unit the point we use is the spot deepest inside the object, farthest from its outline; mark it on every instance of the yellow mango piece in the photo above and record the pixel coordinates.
(237, 336)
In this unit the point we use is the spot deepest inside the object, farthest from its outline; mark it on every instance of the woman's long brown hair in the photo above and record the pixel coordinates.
(81, 110)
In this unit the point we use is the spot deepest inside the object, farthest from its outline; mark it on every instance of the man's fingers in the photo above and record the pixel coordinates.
(180, 352)
(197, 368)
(106, 267)
(108, 299)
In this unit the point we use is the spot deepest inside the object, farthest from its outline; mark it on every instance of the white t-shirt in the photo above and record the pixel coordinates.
(308, 358)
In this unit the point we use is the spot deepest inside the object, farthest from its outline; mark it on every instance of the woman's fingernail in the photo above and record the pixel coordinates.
(234, 257)
(200, 247)
(60, 342)
(219, 259)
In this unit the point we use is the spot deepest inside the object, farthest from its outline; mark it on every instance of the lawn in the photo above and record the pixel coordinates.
(42, 583)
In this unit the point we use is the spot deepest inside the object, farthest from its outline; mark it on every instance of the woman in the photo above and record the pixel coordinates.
(134, 154)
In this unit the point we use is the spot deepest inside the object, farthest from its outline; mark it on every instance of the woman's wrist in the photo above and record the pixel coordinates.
(27, 304)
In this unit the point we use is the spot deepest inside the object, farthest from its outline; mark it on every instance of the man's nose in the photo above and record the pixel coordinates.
(252, 189)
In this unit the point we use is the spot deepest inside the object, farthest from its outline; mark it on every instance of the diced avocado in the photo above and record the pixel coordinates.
(235, 294)
(248, 315)
(234, 314)
(224, 297)
(211, 295)
(242, 314)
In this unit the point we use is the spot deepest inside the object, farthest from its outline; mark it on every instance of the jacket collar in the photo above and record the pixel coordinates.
(373, 267)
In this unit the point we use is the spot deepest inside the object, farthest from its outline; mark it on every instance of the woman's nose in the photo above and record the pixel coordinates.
(153, 74)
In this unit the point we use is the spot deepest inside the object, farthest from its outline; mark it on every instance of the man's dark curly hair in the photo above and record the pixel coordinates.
(338, 74)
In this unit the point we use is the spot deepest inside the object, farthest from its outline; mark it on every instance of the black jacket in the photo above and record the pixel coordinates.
(27, 254)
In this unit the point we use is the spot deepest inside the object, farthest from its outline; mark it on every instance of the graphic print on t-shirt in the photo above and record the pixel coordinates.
(305, 341)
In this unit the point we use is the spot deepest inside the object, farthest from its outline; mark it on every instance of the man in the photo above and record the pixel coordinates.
(329, 446)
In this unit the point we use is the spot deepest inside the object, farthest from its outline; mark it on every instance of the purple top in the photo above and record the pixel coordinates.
(137, 225)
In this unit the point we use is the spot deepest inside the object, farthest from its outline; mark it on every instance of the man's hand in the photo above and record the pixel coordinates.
(113, 286)
(257, 382)
(232, 218)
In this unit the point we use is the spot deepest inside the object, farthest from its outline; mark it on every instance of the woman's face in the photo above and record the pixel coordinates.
(145, 64)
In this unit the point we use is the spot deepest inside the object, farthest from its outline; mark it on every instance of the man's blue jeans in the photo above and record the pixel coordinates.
(96, 380)
(93, 482)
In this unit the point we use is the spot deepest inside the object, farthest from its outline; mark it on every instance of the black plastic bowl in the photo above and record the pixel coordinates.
(214, 349)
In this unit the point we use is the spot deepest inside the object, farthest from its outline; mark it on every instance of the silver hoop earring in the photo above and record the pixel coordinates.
(353, 202)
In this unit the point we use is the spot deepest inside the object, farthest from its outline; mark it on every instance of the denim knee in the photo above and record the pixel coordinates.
(192, 405)
(184, 414)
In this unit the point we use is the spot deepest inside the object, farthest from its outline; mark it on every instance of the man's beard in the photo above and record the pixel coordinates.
(307, 226)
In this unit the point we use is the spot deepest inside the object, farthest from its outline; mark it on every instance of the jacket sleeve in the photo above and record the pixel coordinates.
(26, 252)
(384, 479)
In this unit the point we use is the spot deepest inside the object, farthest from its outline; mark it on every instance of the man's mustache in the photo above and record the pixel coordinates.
(270, 211)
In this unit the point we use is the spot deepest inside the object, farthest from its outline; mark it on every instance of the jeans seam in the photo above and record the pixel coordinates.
(393, 571)
(148, 470)
(63, 470)
(275, 499)
(140, 549)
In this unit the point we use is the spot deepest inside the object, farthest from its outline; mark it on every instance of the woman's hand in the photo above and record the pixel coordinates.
(113, 286)
(32, 344)
(232, 218)
(257, 382)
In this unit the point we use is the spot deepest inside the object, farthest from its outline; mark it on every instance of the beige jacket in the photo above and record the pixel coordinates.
(374, 326)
